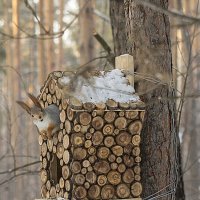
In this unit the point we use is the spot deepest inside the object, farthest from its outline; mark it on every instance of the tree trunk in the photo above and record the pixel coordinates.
(41, 51)
(86, 21)
(145, 35)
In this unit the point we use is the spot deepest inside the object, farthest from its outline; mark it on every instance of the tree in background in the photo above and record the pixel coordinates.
(144, 33)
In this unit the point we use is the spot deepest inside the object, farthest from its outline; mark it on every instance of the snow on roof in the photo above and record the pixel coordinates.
(109, 85)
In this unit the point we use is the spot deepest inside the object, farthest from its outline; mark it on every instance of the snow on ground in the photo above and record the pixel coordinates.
(110, 85)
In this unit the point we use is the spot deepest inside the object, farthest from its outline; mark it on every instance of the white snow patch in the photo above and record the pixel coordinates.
(111, 85)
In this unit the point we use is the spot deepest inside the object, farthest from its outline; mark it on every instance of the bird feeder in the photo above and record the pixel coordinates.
(96, 153)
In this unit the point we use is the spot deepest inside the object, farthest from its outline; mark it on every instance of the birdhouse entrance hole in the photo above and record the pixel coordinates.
(55, 170)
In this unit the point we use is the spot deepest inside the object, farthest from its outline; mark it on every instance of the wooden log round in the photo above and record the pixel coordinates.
(55, 139)
(79, 179)
(114, 177)
(111, 158)
(60, 136)
(54, 100)
(54, 149)
(121, 123)
(116, 131)
(62, 116)
(137, 177)
(68, 126)
(49, 156)
(65, 172)
(84, 129)
(136, 189)
(97, 138)
(77, 128)
(137, 169)
(44, 149)
(61, 125)
(131, 114)
(90, 168)
(85, 118)
(110, 116)
(136, 151)
(84, 170)
(100, 106)
(44, 163)
(61, 162)
(66, 157)
(92, 130)
(121, 113)
(86, 163)
(76, 167)
(123, 138)
(88, 136)
(50, 145)
(52, 86)
(61, 182)
(94, 192)
(101, 180)
(89, 106)
(48, 185)
(53, 192)
(88, 144)
(87, 185)
(119, 160)
(107, 192)
(75, 103)
(111, 104)
(49, 99)
(44, 96)
(91, 150)
(64, 103)
(138, 159)
(117, 150)
(136, 140)
(92, 159)
(60, 150)
(135, 127)
(123, 191)
(113, 166)
(66, 141)
(80, 192)
(94, 113)
(128, 176)
(70, 114)
(77, 139)
(40, 140)
(79, 153)
(103, 152)
(121, 168)
(124, 105)
(65, 195)
(67, 185)
(128, 148)
(128, 160)
(108, 129)
(43, 176)
(97, 122)
(43, 191)
(109, 141)
(91, 177)
(102, 167)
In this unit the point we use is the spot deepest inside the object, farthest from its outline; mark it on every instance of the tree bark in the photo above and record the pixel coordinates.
(144, 33)
(86, 21)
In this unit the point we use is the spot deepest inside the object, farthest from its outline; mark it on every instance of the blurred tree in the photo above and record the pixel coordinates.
(144, 33)
(87, 25)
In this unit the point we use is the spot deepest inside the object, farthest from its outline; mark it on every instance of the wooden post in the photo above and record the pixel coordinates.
(125, 62)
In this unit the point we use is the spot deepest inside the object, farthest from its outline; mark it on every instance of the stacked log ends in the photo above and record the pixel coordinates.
(96, 152)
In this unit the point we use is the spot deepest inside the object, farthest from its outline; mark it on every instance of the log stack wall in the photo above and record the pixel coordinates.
(96, 152)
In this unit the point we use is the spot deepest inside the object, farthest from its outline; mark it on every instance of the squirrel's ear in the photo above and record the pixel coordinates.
(24, 106)
(34, 100)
